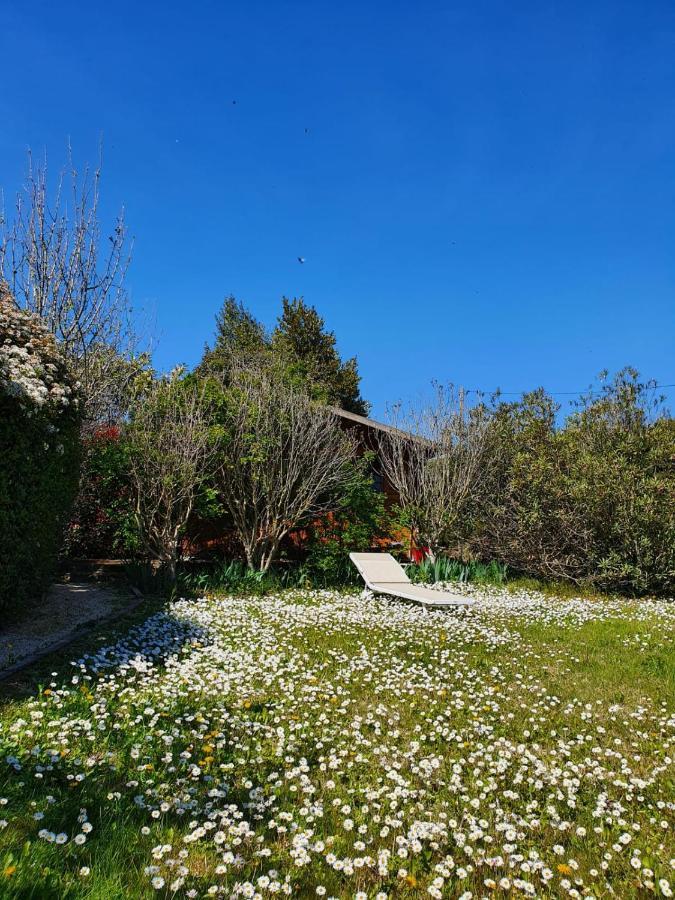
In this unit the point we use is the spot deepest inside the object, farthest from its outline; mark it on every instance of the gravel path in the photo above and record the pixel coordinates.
(67, 609)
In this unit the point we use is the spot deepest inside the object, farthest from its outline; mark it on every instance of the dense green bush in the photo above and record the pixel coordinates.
(39, 453)
(590, 501)
(619, 448)
(525, 515)
(232, 576)
(356, 525)
(102, 524)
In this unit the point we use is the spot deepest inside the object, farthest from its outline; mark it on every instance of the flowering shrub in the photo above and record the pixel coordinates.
(39, 430)
(316, 744)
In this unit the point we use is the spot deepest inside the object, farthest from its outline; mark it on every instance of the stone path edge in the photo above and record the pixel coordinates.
(74, 635)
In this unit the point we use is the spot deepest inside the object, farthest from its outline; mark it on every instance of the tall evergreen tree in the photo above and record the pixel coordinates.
(308, 352)
(238, 333)
(300, 349)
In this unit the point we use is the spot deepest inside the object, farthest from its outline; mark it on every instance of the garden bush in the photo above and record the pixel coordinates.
(590, 501)
(102, 524)
(358, 522)
(620, 447)
(525, 514)
(39, 453)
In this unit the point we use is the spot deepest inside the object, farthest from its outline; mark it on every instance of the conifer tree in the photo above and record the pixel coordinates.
(308, 352)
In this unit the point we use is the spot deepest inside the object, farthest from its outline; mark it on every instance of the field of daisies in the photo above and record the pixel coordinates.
(323, 744)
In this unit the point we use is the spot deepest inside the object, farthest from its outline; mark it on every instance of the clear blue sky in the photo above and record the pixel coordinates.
(485, 194)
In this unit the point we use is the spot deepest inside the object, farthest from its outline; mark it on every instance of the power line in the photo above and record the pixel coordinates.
(655, 387)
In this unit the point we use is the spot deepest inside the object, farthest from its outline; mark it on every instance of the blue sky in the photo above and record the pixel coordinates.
(484, 192)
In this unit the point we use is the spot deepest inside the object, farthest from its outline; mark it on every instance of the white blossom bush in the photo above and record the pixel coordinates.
(31, 367)
(320, 744)
(39, 428)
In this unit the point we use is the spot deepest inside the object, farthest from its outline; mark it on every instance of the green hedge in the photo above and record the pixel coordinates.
(591, 500)
(39, 454)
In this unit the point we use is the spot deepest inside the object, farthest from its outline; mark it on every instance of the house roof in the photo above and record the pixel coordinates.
(368, 423)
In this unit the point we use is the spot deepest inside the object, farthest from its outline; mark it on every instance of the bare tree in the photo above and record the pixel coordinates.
(173, 453)
(286, 458)
(432, 456)
(60, 266)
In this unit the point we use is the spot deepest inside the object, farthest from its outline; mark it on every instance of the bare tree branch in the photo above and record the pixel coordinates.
(433, 460)
(286, 458)
(58, 265)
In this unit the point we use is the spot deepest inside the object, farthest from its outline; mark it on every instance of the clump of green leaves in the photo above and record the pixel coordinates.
(102, 524)
(592, 501)
(40, 418)
(443, 568)
(356, 525)
(300, 348)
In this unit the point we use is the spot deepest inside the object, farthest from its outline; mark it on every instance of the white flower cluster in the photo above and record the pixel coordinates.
(31, 367)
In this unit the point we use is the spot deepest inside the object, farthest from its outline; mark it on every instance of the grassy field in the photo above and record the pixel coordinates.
(316, 744)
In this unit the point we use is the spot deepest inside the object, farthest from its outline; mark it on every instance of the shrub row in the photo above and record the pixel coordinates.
(39, 452)
(590, 501)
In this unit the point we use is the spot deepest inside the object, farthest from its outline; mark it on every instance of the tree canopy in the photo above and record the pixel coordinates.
(300, 348)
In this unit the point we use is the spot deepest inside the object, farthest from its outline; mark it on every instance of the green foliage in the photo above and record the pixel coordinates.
(310, 355)
(238, 333)
(300, 349)
(430, 571)
(620, 449)
(103, 524)
(592, 501)
(235, 577)
(358, 522)
(39, 454)
(525, 515)
(173, 444)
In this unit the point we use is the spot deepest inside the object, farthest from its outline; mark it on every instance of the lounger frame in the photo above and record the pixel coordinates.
(384, 575)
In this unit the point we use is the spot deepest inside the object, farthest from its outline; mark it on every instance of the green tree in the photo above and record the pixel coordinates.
(309, 356)
(285, 460)
(102, 523)
(526, 516)
(238, 334)
(620, 443)
(300, 349)
(173, 452)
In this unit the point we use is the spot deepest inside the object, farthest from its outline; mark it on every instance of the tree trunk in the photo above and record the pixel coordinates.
(269, 556)
(261, 556)
(171, 570)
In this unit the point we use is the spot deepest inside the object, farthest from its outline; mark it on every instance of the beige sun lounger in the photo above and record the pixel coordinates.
(383, 575)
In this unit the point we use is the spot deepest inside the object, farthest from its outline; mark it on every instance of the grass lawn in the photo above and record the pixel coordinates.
(315, 744)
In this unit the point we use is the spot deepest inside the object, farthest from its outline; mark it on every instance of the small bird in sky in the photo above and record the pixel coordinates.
(306, 130)
(301, 259)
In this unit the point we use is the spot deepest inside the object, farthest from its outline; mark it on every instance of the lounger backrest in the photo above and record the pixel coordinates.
(379, 568)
